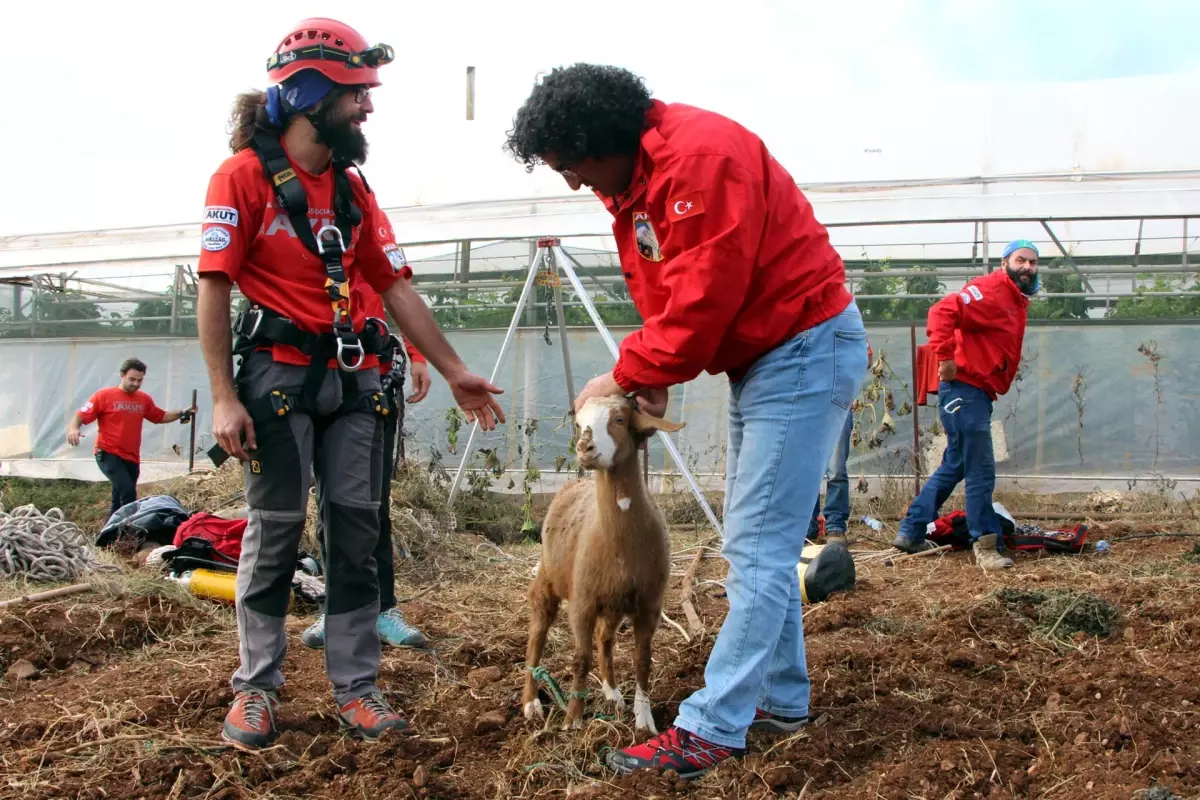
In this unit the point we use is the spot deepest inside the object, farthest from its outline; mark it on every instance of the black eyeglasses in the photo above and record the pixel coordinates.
(361, 93)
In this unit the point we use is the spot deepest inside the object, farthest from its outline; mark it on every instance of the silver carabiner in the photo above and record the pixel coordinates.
(356, 347)
(321, 238)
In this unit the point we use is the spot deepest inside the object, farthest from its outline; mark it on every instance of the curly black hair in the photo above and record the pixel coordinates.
(580, 111)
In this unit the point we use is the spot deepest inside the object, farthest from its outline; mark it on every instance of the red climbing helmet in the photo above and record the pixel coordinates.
(333, 48)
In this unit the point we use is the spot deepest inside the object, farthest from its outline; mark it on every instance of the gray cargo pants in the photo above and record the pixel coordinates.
(345, 451)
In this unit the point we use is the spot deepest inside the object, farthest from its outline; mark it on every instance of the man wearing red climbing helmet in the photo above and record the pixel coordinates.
(290, 225)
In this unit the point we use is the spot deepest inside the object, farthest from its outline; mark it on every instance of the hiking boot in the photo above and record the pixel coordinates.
(835, 537)
(986, 554)
(314, 635)
(395, 631)
(773, 723)
(677, 749)
(250, 723)
(911, 545)
(370, 715)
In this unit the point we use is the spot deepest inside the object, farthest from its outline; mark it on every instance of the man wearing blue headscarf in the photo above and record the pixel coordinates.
(976, 336)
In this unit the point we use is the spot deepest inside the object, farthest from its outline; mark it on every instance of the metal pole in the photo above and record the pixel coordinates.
(192, 437)
(612, 348)
(508, 337)
(987, 267)
(175, 290)
(562, 335)
(916, 384)
(1137, 252)
(1067, 257)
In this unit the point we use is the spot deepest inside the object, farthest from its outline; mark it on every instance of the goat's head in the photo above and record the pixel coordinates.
(611, 429)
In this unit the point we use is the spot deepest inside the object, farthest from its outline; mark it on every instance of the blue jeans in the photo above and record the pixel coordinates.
(837, 488)
(966, 415)
(784, 418)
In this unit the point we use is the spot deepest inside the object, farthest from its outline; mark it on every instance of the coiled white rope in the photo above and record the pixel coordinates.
(45, 547)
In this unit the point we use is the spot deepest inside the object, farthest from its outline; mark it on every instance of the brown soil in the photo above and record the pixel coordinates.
(926, 684)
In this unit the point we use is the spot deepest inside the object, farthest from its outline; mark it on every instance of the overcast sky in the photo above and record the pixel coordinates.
(116, 112)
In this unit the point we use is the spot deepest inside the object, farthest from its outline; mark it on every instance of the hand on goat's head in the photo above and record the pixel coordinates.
(611, 429)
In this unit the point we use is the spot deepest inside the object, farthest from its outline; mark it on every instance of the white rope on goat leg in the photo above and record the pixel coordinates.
(45, 547)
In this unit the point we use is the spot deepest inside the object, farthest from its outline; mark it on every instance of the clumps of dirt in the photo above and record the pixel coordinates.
(1062, 613)
(57, 637)
(1193, 557)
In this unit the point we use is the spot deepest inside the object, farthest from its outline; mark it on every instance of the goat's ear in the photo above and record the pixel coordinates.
(647, 424)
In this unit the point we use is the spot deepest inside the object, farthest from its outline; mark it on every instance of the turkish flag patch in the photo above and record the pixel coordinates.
(688, 205)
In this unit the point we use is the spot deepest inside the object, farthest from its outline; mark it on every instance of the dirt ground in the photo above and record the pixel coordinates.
(931, 679)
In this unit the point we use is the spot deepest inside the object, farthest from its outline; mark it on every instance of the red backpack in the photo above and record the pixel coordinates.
(224, 535)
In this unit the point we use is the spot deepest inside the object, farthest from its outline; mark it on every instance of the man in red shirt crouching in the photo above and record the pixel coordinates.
(118, 412)
(731, 273)
(976, 335)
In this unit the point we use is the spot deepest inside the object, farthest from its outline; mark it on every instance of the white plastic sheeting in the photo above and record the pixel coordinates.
(1137, 420)
(1097, 149)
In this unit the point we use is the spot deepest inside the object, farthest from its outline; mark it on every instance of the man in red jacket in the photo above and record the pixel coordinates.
(976, 336)
(731, 274)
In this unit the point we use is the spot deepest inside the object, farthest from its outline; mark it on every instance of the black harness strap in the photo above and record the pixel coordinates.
(329, 243)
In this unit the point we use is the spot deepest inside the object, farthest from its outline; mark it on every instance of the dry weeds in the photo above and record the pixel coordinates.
(926, 683)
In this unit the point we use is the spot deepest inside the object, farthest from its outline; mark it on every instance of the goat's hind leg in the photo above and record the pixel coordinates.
(543, 608)
(644, 626)
(607, 633)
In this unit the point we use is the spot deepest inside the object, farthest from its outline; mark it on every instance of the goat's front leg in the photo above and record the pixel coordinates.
(543, 608)
(644, 626)
(583, 625)
(607, 632)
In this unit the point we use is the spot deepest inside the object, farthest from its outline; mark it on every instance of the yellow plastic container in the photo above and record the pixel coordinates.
(214, 585)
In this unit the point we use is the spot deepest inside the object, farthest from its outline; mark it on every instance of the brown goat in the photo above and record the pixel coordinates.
(605, 550)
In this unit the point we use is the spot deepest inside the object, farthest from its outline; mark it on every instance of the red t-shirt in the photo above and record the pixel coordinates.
(246, 238)
(120, 416)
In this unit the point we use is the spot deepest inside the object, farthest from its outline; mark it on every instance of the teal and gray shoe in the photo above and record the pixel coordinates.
(394, 630)
(314, 635)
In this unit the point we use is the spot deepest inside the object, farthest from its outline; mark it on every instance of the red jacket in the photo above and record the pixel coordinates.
(721, 252)
(982, 328)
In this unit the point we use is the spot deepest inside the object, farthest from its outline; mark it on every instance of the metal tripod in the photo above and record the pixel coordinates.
(551, 250)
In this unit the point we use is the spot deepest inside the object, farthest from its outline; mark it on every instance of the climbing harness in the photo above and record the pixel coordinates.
(258, 325)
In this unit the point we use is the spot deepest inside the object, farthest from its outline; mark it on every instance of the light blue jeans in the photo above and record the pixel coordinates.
(784, 418)
(837, 488)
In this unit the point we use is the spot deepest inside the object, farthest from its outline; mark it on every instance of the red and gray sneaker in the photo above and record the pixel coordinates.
(773, 723)
(677, 749)
(250, 723)
(370, 715)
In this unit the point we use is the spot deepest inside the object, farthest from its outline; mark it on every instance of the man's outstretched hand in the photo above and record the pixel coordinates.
(476, 397)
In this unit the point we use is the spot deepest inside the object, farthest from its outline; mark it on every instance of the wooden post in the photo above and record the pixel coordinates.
(192, 437)
(470, 93)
